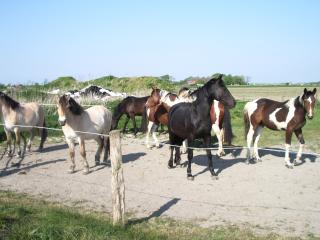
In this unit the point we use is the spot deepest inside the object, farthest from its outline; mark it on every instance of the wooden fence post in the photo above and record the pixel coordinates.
(117, 181)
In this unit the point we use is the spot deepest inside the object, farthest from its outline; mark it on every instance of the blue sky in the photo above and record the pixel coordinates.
(268, 41)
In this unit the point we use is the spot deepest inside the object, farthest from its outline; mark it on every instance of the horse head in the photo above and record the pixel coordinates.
(154, 98)
(217, 89)
(66, 105)
(308, 100)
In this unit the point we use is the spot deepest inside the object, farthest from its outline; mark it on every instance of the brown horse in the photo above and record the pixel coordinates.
(20, 118)
(158, 106)
(289, 116)
(131, 107)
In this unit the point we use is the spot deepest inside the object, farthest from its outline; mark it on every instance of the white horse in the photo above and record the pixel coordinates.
(19, 118)
(79, 124)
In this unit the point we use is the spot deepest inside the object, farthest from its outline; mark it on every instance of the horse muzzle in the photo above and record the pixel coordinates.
(62, 122)
(310, 116)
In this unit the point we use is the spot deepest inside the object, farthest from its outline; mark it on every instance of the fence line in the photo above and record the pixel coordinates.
(168, 144)
(56, 129)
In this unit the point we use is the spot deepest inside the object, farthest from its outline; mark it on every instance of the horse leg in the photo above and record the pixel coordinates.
(24, 145)
(106, 145)
(258, 133)
(190, 156)
(71, 154)
(9, 141)
(177, 157)
(18, 139)
(30, 140)
(154, 135)
(184, 148)
(99, 141)
(125, 124)
(84, 156)
(133, 119)
(299, 135)
(207, 141)
(170, 163)
(249, 141)
(219, 134)
(288, 144)
(150, 124)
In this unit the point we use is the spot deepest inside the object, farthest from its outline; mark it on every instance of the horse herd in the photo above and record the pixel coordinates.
(189, 115)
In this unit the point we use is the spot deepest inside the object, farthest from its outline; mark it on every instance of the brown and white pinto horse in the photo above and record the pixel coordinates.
(158, 105)
(289, 116)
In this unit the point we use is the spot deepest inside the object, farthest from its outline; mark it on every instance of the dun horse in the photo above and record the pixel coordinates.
(131, 106)
(15, 116)
(192, 120)
(77, 122)
(289, 116)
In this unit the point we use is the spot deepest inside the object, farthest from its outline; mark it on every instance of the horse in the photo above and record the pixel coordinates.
(19, 118)
(131, 106)
(190, 121)
(220, 119)
(289, 116)
(158, 105)
(84, 124)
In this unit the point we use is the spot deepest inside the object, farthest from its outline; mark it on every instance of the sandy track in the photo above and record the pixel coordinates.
(265, 196)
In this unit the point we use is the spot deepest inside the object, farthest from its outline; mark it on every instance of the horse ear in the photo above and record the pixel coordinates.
(314, 91)
(305, 91)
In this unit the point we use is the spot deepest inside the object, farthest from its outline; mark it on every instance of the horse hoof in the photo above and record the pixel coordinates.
(170, 166)
(296, 162)
(289, 166)
(247, 162)
(190, 177)
(85, 172)
(70, 171)
(97, 163)
(214, 177)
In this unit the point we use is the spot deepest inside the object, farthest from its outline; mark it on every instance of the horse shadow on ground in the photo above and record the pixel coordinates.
(156, 213)
(218, 163)
(53, 148)
(131, 157)
(6, 172)
(278, 152)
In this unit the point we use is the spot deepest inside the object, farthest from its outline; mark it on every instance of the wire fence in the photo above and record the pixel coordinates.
(165, 143)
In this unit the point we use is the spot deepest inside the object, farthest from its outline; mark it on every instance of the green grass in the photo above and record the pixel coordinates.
(23, 217)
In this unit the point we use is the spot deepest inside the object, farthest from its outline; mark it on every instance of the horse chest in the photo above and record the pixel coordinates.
(281, 117)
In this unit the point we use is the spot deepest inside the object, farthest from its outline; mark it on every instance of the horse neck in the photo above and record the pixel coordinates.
(298, 103)
(204, 100)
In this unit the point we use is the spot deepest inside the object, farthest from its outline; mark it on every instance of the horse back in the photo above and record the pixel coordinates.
(99, 116)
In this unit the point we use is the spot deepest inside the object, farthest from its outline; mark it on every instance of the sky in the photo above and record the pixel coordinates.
(266, 41)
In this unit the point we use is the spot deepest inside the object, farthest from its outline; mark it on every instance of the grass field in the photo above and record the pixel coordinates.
(23, 217)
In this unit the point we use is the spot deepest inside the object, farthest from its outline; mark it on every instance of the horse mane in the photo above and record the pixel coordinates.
(71, 104)
(8, 101)
(75, 107)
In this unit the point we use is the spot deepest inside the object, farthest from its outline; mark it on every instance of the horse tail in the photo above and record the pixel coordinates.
(43, 134)
(246, 120)
(228, 135)
(144, 121)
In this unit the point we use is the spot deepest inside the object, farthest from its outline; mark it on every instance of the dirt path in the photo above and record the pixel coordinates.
(265, 196)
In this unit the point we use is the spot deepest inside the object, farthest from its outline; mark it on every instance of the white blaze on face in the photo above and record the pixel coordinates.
(310, 114)
(290, 115)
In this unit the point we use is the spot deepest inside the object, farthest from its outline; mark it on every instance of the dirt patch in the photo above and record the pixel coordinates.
(265, 196)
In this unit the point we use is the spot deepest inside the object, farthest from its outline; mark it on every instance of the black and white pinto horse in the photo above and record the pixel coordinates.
(289, 116)
(192, 121)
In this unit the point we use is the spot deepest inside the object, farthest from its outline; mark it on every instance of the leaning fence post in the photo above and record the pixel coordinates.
(117, 181)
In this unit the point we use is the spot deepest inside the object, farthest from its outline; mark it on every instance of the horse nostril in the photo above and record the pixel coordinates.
(62, 123)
